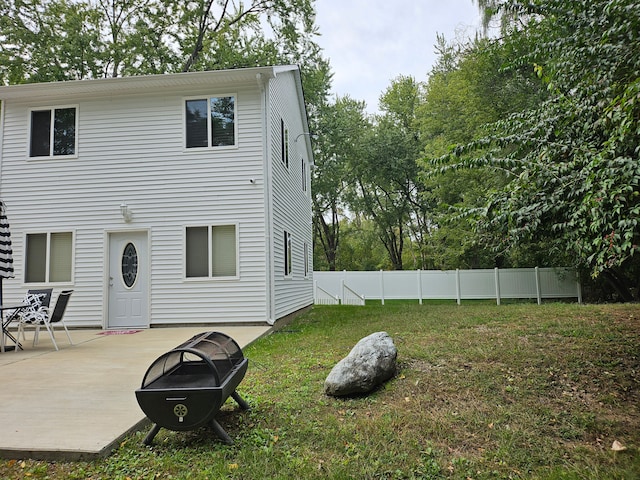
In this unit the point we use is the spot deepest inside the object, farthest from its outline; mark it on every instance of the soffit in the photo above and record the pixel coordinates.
(135, 84)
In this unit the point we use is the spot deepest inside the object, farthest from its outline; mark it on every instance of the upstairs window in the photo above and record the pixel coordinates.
(210, 122)
(53, 132)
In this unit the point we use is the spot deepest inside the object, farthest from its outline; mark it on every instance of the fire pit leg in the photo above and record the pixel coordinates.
(244, 405)
(222, 435)
(151, 435)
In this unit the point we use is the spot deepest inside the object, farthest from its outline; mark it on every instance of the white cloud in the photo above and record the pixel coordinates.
(371, 42)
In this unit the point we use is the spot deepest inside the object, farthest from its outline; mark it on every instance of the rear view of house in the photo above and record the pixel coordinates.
(164, 199)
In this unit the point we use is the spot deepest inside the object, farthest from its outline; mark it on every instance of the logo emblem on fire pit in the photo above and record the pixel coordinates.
(180, 410)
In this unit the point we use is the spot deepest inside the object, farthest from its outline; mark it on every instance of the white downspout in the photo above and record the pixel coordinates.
(2, 113)
(268, 203)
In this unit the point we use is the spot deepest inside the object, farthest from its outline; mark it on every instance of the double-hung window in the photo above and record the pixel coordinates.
(211, 251)
(53, 132)
(210, 122)
(288, 254)
(284, 143)
(48, 257)
(304, 176)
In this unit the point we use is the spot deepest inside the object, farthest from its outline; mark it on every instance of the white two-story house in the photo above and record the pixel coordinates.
(161, 200)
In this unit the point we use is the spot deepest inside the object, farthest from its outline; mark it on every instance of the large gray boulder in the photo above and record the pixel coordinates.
(370, 363)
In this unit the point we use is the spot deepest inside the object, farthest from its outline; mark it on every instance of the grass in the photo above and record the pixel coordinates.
(482, 392)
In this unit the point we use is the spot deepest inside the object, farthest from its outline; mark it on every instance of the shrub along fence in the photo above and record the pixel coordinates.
(353, 288)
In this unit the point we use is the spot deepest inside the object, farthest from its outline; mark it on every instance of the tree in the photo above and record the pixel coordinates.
(49, 40)
(385, 176)
(45, 40)
(340, 129)
(497, 9)
(572, 160)
(467, 89)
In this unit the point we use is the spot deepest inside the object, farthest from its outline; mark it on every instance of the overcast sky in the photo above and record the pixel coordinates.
(371, 42)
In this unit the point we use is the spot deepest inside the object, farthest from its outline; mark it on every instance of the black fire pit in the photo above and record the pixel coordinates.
(185, 388)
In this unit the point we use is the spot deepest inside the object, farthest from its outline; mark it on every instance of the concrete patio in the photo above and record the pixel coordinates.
(79, 402)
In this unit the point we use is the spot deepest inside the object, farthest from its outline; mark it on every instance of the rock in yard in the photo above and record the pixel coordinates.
(370, 363)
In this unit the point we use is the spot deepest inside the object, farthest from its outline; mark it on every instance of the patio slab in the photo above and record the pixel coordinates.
(79, 402)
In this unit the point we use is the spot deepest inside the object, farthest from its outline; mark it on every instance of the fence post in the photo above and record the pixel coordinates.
(497, 278)
(315, 291)
(342, 282)
(579, 287)
(458, 293)
(538, 291)
(382, 286)
(419, 287)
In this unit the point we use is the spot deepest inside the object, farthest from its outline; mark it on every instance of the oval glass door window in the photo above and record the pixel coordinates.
(129, 265)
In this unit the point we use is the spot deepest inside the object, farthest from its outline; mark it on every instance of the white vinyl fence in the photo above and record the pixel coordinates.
(352, 288)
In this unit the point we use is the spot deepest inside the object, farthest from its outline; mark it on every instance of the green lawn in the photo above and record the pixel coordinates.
(482, 392)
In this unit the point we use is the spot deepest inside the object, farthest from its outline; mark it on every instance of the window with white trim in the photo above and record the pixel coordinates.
(284, 143)
(48, 257)
(210, 122)
(304, 176)
(306, 259)
(52, 132)
(288, 254)
(211, 251)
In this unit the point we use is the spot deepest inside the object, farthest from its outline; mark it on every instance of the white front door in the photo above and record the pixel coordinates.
(128, 280)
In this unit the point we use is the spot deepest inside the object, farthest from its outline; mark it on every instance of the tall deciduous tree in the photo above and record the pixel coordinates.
(340, 131)
(385, 176)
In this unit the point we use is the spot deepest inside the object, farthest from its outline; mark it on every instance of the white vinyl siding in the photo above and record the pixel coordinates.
(131, 149)
(291, 211)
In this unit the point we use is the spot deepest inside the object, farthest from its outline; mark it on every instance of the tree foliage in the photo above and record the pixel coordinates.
(572, 160)
(48, 40)
(340, 130)
(467, 90)
(385, 176)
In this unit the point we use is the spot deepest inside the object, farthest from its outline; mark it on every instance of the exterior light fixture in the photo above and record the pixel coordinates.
(309, 134)
(125, 211)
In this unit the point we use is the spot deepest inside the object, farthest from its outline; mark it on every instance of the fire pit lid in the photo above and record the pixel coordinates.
(214, 349)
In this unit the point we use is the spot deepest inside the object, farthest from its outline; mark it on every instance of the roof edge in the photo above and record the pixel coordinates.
(136, 82)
